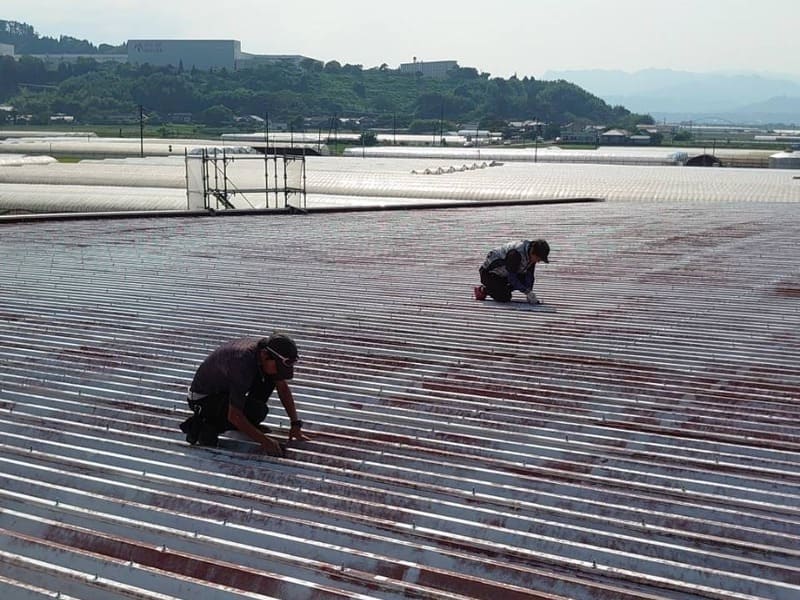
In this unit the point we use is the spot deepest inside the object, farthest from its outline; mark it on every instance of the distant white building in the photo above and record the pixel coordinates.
(437, 69)
(7, 50)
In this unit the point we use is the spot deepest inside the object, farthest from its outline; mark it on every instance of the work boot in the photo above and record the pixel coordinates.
(191, 427)
(480, 292)
(208, 437)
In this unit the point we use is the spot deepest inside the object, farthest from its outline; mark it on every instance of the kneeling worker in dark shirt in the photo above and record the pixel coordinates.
(511, 268)
(231, 388)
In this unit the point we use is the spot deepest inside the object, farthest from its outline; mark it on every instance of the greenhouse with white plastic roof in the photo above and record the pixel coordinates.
(111, 177)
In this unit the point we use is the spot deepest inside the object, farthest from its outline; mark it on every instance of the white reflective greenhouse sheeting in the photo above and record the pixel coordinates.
(332, 180)
(168, 172)
(324, 137)
(662, 156)
(19, 160)
(518, 181)
(343, 200)
(24, 133)
(284, 137)
(102, 147)
(543, 154)
(75, 198)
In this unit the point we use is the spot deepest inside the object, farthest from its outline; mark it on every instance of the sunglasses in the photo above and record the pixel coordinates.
(286, 361)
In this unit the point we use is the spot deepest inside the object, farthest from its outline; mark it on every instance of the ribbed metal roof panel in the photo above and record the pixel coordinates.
(635, 437)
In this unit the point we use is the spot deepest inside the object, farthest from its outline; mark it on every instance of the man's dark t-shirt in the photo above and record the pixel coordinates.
(232, 372)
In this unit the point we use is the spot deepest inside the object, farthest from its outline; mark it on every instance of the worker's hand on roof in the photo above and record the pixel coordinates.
(271, 447)
(296, 433)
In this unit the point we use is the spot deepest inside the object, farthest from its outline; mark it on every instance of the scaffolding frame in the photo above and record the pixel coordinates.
(212, 182)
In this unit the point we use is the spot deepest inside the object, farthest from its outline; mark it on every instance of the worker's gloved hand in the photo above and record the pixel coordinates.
(532, 299)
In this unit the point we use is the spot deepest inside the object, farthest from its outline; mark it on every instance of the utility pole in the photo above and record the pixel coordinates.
(141, 131)
(266, 162)
(441, 125)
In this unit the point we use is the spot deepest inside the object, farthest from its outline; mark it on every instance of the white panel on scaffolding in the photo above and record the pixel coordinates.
(219, 180)
(195, 183)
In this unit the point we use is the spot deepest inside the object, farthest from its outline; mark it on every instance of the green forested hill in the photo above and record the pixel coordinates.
(26, 41)
(97, 92)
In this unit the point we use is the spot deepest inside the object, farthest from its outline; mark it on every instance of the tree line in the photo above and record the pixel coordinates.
(104, 92)
(26, 41)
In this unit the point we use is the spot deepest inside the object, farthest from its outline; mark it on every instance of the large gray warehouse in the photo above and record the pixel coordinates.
(198, 54)
(201, 54)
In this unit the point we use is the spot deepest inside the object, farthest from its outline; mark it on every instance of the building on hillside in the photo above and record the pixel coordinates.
(253, 120)
(62, 118)
(654, 128)
(51, 61)
(7, 113)
(179, 117)
(247, 60)
(622, 137)
(199, 54)
(531, 128)
(614, 137)
(573, 134)
(204, 55)
(437, 69)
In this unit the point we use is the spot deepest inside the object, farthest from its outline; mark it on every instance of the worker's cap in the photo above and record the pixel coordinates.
(541, 249)
(284, 351)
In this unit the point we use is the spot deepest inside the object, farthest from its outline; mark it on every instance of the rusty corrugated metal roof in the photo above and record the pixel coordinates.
(636, 437)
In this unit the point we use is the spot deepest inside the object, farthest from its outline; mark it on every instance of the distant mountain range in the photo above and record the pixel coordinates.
(742, 98)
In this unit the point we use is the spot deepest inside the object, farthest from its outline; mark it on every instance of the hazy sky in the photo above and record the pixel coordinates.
(503, 37)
